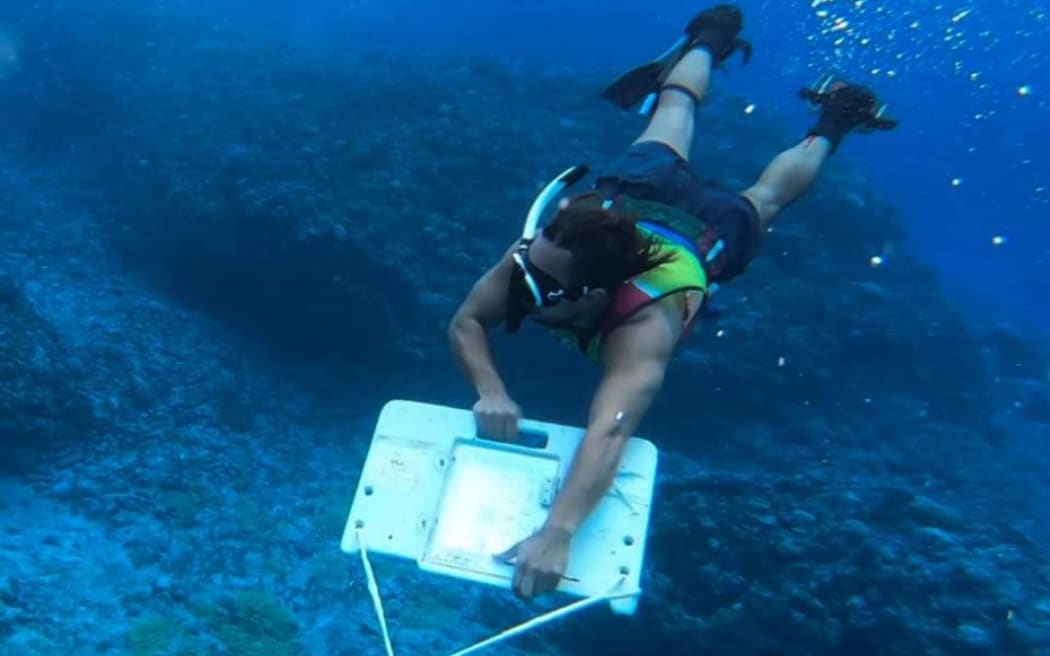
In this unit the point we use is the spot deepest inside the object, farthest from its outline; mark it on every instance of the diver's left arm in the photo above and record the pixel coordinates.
(635, 357)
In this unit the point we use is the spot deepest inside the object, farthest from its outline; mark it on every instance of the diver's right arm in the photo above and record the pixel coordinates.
(485, 307)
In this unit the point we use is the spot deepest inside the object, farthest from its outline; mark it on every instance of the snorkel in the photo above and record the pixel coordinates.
(565, 179)
(515, 309)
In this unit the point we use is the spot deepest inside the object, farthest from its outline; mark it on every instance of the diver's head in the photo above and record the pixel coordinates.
(568, 274)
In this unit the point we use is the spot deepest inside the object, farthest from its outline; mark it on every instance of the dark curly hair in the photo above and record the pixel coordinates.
(606, 248)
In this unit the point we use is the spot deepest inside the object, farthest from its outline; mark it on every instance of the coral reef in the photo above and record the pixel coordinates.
(223, 257)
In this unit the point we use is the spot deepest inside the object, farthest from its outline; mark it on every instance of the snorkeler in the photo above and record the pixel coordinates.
(623, 270)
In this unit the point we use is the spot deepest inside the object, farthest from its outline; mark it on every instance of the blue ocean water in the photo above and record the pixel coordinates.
(969, 164)
(231, 231)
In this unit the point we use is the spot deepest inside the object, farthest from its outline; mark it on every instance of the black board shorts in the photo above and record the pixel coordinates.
(653, 171)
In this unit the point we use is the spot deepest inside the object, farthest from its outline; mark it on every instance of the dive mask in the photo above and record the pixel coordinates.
(531, 287)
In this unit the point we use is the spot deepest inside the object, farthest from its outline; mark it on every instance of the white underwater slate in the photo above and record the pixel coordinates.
(432, 491)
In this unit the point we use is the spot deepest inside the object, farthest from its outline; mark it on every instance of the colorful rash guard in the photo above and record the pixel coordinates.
(684, 274)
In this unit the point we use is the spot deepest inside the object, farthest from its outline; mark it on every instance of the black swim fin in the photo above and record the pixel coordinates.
(633, 86)
(857, 105)
(716, 28)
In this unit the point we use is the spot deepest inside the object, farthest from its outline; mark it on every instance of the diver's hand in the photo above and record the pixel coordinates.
(539, 561)
(497, 417)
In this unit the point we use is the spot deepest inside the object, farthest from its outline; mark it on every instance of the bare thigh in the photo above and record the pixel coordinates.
(672, 123)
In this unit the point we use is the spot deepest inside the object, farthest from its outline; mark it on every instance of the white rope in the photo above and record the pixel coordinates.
(373, 589)
(549, 617)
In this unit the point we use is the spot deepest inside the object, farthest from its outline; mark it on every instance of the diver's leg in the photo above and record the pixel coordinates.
(686, 85)
(844, 107)
(711, 37)
(787, 177)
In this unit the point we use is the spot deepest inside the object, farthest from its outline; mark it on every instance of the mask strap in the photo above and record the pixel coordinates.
(529, 282)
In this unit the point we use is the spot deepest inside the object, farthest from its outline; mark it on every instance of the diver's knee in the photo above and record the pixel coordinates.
(766, 202)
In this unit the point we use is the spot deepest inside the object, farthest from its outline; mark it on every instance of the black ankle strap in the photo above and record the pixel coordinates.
(684, 89)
